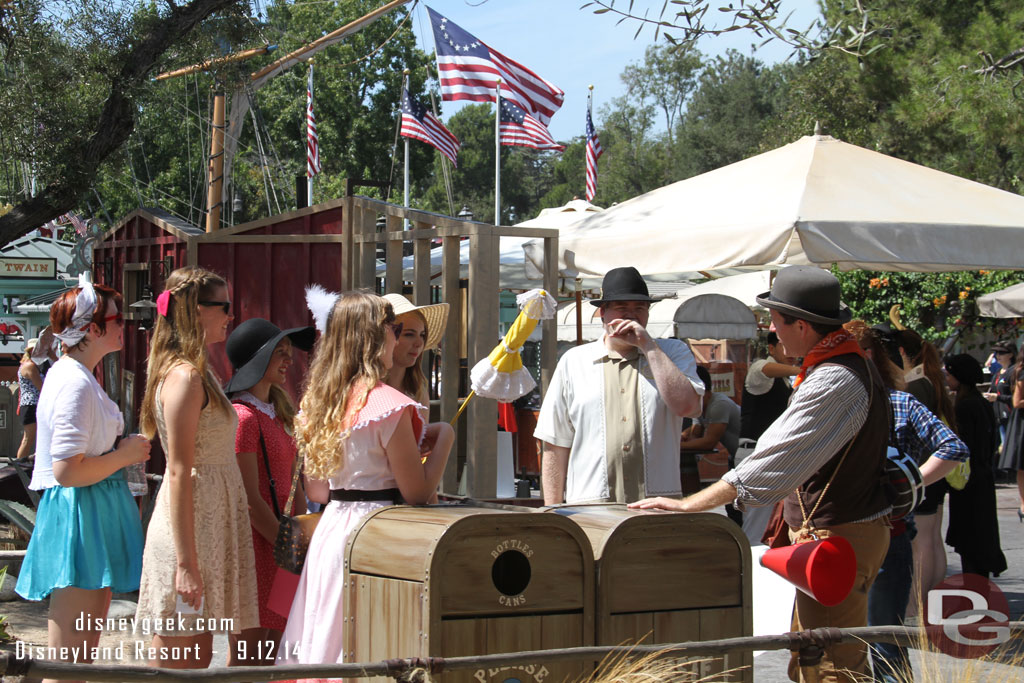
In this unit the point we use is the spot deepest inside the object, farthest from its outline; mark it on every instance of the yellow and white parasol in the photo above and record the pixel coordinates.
(501, 375)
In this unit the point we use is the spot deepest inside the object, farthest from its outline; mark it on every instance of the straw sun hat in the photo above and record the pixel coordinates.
(435, 315)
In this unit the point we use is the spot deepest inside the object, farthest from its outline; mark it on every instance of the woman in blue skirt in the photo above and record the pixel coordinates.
(88, 537)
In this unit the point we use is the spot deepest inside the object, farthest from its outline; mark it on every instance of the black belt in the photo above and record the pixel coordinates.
(394, 495)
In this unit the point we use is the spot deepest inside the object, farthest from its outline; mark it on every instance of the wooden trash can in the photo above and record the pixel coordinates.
(669, 578)
(447, 581)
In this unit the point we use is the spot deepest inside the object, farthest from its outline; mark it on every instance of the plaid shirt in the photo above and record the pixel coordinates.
(920, 434)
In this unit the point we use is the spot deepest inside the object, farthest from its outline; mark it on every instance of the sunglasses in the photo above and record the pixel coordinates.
(396, 328)
(226, 305)
(118, 317)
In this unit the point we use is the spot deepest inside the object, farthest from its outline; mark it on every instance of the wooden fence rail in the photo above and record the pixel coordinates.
(412, 669)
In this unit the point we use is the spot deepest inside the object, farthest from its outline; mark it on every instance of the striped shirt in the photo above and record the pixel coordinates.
(825, 412)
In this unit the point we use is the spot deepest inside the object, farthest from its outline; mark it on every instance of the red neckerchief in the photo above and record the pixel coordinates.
(834, 344)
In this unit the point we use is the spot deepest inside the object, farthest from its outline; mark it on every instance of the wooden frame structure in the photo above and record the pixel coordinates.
(481, 313)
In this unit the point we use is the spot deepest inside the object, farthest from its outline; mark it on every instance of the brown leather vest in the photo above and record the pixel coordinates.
(857, 490)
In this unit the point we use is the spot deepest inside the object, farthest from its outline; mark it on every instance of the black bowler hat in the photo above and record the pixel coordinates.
(807, 293)
(622, 284)
(252, 343)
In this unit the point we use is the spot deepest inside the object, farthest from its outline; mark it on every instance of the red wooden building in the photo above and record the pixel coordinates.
(267, 264)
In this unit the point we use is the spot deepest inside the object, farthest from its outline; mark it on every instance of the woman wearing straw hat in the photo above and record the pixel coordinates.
(421, 330)
(260, 354)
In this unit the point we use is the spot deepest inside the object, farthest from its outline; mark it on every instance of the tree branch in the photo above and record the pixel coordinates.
(115, 123)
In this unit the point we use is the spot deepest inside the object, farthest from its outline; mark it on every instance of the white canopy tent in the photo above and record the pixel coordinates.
(818, 201)
(702, 316)
(1006, 303)
(511, 260)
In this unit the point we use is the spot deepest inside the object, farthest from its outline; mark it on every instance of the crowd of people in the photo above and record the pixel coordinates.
(206, 564)
(818, 416)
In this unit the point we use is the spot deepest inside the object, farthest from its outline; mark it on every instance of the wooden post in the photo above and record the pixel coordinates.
(367, 269)
(393, 255)
(347, 245)
(482, 437)
(215, 175)
(450, 351)
(421, 267)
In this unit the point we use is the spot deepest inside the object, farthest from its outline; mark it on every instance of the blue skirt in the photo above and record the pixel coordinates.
(86, 536)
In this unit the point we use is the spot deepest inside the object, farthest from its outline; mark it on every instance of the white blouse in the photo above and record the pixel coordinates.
(74, 416)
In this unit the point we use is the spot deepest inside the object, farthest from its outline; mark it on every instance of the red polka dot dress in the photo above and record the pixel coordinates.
(253, 416)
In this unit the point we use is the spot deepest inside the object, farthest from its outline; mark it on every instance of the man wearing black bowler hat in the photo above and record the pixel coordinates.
(824, 456)
(612, 415)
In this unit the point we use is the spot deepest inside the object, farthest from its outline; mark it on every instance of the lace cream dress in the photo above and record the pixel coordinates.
(222, 532)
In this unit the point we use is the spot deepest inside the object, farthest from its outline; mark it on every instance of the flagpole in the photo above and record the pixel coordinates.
(497, 153)
(405, 221)
(309, 176)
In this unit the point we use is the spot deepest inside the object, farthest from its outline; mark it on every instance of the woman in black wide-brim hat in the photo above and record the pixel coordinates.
(260, 355)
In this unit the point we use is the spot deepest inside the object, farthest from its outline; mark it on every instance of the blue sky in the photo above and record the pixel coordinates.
(574, 48)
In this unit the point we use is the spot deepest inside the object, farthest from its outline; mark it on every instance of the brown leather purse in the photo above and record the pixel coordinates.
(294, 531)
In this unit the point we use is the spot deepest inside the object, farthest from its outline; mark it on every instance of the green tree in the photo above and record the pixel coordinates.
(526, 174)
(357, 85)
(736, 97)
(73, 75)
(569, 176)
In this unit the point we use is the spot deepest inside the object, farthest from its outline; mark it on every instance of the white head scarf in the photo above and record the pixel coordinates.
(85, 309)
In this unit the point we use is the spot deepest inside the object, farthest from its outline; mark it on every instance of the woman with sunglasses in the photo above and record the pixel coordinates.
(198, 568)
(361, 441)
(88, 539)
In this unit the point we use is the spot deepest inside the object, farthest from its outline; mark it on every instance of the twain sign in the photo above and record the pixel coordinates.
(28, 267)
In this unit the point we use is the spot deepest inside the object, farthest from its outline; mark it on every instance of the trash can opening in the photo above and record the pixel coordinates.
(511, 572)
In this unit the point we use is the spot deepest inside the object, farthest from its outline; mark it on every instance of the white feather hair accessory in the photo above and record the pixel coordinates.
(320, 302)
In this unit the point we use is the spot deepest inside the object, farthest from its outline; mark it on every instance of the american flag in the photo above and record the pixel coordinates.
(519, 129)
(312, 139)
(594, 153)
(420, 123)
(80, 226)
(469, 68)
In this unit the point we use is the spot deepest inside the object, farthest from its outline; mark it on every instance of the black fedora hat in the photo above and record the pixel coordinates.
(252, 343)
(622, 284)
(807, 293)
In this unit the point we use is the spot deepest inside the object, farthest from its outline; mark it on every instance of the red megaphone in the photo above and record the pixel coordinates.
(825, 569)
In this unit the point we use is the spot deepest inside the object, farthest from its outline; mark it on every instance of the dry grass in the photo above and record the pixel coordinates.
(626, 667)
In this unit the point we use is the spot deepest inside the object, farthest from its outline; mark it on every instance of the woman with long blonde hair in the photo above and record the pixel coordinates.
(198, 566)
(363, 444)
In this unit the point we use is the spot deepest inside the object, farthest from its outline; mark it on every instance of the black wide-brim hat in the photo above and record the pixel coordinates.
(251, 345)
(807, 293)
(622, 284)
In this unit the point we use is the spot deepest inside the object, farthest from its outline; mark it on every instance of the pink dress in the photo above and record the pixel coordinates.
(315, 630)
(253, 416)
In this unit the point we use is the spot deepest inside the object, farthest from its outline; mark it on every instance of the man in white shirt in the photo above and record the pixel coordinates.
(613, 412)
